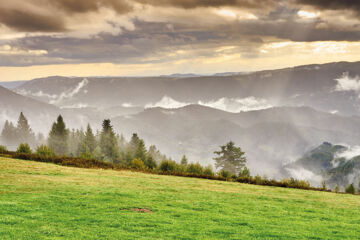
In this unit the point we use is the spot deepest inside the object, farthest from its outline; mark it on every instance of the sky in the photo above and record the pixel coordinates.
(40, 38)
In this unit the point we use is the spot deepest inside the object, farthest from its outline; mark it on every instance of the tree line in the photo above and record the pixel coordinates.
(107, 146)
(104, 145)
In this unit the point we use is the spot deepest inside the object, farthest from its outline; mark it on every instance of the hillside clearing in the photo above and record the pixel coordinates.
(46, 201)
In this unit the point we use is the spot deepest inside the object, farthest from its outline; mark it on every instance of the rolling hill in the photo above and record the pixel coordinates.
(39, 199)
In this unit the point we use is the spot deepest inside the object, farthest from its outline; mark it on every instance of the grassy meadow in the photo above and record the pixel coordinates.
(47, 201)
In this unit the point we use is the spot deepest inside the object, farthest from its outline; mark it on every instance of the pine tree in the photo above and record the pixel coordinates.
(58, 137)
(156, 154)
(108, 142)
(88, 143)
(230, 158)
(134, 142)
(141, 150)
(24, 132)
(184, 160)
(9, 135)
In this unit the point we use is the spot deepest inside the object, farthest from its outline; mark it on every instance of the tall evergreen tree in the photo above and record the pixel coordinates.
(230, 158)
(140, 151)
(134, 142)
(108, 142)
(88, 143)
(75, 139)
(24, 132)
(9, 135)
(58, 137)
(184, 160)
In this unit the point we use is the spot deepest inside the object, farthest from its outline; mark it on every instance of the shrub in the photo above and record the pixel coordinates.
(150, 163)
(350, 189)
(208, 171)
(244, 173)
(168, 166)
(323, 185)
(3, 149)
(138, 164)
(225, 174)
(24, 148)
(258, 180)
(194, 168)
(86, 155)
(337, 189)
(44, 150)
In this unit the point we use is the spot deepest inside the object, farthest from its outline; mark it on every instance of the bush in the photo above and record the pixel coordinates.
(337, 189)
(168, 166)
(208, 171)
(138, 164)
(244, 173)
(350, 189)
(86, 155)
(150, 163)
(3, 149)
(194, 168)
(24, 148)
(44, 150)
(323, 185)
(225, 174)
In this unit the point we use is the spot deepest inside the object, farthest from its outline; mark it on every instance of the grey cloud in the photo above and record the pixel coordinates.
(23, 20)
(49, 16)
(333, 4)
(82, 6)
(211, 3)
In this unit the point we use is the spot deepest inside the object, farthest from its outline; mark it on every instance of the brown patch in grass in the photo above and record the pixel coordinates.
(141, 210)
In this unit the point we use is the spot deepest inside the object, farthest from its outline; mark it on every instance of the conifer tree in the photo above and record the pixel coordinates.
(141, 150)
(75, 139)
(184, 160)
(24, 132)
(58, 137)
(230, 158)
(134, 142)
(108, 142)
(9, 135)
(88, 143)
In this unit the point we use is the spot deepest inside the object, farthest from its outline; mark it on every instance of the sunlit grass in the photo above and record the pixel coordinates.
(46, 201)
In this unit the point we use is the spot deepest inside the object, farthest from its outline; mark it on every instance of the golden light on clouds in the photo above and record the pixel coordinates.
(306, 14)
(149, 37)
(271, 56)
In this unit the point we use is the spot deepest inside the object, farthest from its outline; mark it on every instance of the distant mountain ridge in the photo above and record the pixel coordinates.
(270, 137)
(12, 84)
(312, 85)
(331, 163)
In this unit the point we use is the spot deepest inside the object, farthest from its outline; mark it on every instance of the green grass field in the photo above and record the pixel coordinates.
(46, 201)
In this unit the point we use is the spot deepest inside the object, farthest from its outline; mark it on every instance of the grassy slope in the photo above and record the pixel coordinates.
(46, 201)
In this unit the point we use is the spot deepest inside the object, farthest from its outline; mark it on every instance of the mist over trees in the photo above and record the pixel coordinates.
(13, 136)
(230, 158)
(104, 145)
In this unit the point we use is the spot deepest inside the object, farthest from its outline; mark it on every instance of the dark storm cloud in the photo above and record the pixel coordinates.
(23, 20)
(156, 39)
(152, 42)
(82, 6)
(49, 16)
(211, 3)
(333, 4)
